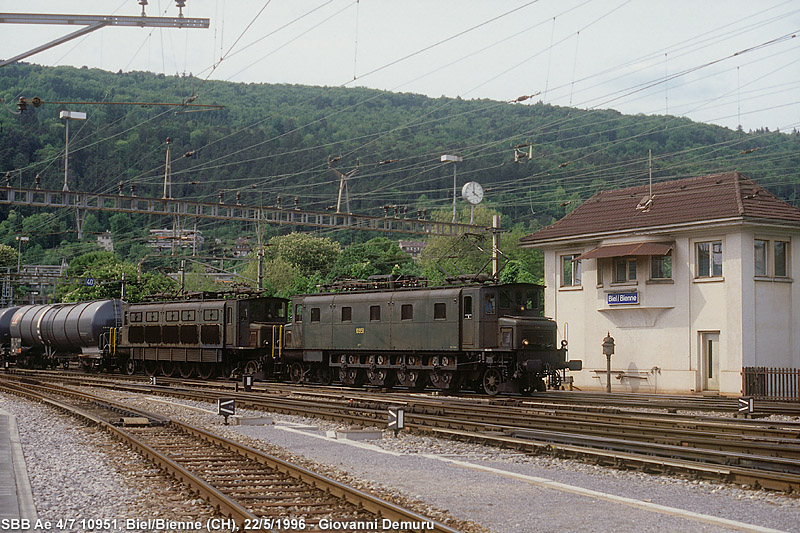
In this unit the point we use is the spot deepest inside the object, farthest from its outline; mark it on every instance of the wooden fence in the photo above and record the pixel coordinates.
(763, 383)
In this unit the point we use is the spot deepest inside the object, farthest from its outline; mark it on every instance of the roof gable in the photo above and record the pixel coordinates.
(714, 197)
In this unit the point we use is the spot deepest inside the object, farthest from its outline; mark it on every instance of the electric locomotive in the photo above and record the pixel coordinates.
(491, 337)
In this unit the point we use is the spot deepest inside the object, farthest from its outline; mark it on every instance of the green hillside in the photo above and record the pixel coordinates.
(272, 140)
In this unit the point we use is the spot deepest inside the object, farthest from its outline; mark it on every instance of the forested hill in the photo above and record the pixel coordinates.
(272, 140)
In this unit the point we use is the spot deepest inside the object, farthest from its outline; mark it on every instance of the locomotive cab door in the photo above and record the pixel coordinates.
(468, 319)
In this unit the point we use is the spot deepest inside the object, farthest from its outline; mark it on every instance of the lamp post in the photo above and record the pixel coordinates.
(69, 115)
(447, 158)
(20, 240)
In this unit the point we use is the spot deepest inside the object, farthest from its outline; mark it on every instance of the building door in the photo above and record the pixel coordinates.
(710, 360)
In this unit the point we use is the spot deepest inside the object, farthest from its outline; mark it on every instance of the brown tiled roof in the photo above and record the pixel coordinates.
(718, 196)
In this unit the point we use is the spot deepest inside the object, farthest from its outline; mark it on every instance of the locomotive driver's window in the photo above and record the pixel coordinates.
(488, 304)
(298, 313)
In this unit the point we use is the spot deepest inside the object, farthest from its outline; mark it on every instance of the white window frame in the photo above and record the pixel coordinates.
(653, 259)
(628, 260)
(771, 270)
(574, 268)
(710, 265)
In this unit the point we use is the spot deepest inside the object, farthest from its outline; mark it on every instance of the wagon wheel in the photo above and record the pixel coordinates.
(491, 381)
(324, 374)
(186, 369)
(151, 368)
(129, 367)
(296, 372)
(168, 368)
(206, 370)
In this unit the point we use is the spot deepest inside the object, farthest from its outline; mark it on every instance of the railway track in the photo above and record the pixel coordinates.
(759, 453)
(258, 491)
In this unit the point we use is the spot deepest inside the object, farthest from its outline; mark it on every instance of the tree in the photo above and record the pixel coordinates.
(310, 254)
(8, 256)
(376, 256)
(107, 271)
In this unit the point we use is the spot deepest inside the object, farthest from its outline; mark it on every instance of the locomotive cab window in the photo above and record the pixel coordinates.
(489, 304)
(151, 316)
(505, 300)
(440, 311)
(406, 312)
(298, 313)
(188, 316)
(211, 315)
(136, 317)
(467, 307)
(229, 317)
(171, 316)
(347, 314)
(375, 313)
(315, 314)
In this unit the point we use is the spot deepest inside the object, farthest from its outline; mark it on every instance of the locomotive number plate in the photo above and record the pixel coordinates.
(359, 331)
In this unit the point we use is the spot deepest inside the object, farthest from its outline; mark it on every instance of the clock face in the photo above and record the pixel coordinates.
(472, 192)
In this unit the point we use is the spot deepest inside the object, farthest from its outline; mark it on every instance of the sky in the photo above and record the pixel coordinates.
(725, 62)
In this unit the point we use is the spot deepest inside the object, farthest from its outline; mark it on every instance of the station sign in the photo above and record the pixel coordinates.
(621, 298)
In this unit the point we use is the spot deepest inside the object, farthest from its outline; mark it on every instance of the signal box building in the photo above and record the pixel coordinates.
(694, 282)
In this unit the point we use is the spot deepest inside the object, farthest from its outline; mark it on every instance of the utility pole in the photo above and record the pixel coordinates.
(453, 159)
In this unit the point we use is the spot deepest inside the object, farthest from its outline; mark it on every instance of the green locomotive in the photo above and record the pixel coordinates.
(491, 337)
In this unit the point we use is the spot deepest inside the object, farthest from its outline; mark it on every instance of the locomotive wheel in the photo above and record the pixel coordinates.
(379, 377)
(351, 377)
(129, 367)
(168, 369)
(186, 369)
(324, 374)
(445, 380)
(151, 368)
(491, 381)
(206, 370)
(296, 372)
(411, 379)
(251, 367)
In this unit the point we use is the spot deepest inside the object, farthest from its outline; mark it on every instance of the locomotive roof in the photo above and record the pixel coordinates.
(420, 289)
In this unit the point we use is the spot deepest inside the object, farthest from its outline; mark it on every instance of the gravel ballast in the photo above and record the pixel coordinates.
(503, 491)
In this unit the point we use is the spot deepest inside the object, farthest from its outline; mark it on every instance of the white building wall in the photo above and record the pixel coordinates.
(659, 341)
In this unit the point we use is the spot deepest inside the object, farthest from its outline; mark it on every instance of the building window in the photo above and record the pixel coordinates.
(624, 269)
(771, 258)
(439, 311)
(760, 253)
(781, 259)
(315, 314)
(570, 271)
(406, 312)
(709, 259)
(599, 272)
(375, 313)
(661, 266)
(347, 314)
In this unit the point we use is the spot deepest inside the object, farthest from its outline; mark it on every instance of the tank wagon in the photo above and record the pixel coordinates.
(203, 337)
(43, 335)
(6, 355)
(491, 337)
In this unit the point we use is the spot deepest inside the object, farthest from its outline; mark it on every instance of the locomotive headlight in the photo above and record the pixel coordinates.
(525, 342)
